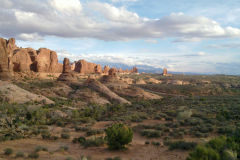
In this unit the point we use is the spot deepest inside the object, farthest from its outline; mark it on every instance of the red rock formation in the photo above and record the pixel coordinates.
(98, 69)
(120, 70)
(106, 69)
(21, 60)
(68, 74)
(112, 72)
(134, 70)
(85, 67)
(47, 61)
(165, 71)
(66, 65)
(6, 67)
(73, 66)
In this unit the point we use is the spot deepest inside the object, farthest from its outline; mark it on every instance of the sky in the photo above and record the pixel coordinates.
(181, 35)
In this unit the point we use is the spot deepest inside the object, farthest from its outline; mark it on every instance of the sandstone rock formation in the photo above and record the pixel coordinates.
(98, 69)
(134, 70)
(68, 74)
(112, 72)
(73, 65)
(165, 71)
(21, 60)
(6, 66)
(15, 59)
(15, 94)
(66, 65)
(47, 61)
(101, 88)
(85, 67)
(106, 69)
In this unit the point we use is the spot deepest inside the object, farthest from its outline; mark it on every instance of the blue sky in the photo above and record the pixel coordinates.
(182, 35)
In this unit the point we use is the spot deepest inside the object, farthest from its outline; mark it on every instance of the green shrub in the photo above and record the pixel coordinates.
(63, 148)
(80, 140)
(118, 135)
(69, 158)
(93, 142)
(8, 151)
(33, 155)
(203, 153)
(19, 154)
(40, 148)
(182, 145)
(65, 136)
(151, 133)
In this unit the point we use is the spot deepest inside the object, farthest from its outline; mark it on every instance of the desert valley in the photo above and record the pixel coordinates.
(64, 111)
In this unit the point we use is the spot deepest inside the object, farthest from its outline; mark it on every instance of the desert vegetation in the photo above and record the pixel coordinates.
(190, 121)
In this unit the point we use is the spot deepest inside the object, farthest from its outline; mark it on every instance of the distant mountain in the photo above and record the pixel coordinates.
(141, 68)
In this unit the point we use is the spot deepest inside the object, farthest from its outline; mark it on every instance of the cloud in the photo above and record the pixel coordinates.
(151, 41)
(30, 37)
(102, 21)
(116, 1)
(201, 53)
(225, 46)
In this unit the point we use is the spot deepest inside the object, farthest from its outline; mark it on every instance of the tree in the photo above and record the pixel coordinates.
(118, 135)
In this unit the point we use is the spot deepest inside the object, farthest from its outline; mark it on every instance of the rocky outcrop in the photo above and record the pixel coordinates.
(68, 74)
(15, 94)
(66, 65)
(106, 69)
(15, 59)
(85, 67)
(165, 71)
(6, 51)
(98, 69)
(47, 61)
(21, 60)
(101, 88)
(113, 72)
(134, 70)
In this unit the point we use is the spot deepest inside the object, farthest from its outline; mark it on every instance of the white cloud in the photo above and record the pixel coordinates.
(116, 1)
(102, 21)
(67, 6)
(201, 53)
(30, 37)
(151, 41)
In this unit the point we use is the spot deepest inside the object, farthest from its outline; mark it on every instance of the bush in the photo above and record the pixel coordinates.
(33, 155)
(65, 136)
(40, 148)
(8, 151)
(151, 133)
(63, 148)
(19, 154)
(93, 142)
(182, 145)
(118, 135)
(203, 153)
(79, 140)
